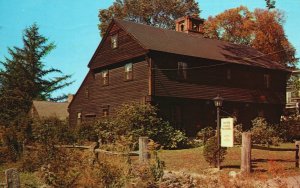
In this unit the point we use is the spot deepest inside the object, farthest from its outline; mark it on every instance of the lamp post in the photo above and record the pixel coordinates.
(218, 104)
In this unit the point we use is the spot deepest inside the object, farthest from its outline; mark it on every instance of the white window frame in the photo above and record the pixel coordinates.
(114, 41)
(128, 70)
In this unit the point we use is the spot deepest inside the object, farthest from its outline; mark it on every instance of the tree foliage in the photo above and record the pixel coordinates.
(270, 4)
(24, 76)
(264, 133)
(260, 29)
(210, 151)
(159, 13)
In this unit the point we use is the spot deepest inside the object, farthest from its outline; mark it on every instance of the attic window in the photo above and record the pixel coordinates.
(182, 70)
(104, 77)
(114, 41)
(128, 71)
(267, 80)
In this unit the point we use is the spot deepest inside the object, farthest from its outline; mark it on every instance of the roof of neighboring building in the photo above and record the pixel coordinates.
(164, 40)
(51, 109)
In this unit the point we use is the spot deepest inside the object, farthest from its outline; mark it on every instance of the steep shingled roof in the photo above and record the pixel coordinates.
(163, 40)
(44, 109)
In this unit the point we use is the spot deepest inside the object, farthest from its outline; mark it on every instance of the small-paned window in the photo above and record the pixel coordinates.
(182, 70)
(267, 80)
(105, 112)
(228, 74)
(104, 77)
(114, 41)
(79, 118)
(86, 93)
(288, 97)
(128, 71)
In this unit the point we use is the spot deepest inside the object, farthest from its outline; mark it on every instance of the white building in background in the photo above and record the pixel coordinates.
(292, 95)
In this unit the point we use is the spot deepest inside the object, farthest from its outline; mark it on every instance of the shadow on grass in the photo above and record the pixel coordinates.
(266, 160)
(231, 166)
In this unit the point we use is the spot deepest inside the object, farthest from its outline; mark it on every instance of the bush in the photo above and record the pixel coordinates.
(61, 169)
(132, 121)
(210, 151)
(53, 130)
(287, 127)
(237, 131)
(87, 131)
(206, 133)
(264, 133)
(148, 174)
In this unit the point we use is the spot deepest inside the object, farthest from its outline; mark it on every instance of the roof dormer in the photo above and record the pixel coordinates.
(190, 25)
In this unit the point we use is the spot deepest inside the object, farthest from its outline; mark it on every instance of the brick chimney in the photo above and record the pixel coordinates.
(190, 25)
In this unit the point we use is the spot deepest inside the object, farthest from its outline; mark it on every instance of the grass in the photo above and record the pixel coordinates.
(267, 162)
(27, 179)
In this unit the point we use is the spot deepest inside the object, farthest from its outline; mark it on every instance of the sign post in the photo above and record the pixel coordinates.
(227, 136)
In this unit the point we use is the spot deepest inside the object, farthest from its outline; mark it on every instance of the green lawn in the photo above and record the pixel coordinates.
(191, 160)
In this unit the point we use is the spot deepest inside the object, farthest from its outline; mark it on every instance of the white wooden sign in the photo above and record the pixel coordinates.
(227, 136)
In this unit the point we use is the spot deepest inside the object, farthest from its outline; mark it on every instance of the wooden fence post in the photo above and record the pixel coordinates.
(143, 149)
(297, 144)
(246, 153)
(12, 178)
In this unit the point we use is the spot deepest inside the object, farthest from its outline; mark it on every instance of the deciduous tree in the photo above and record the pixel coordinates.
(159, 13)
(261, 29)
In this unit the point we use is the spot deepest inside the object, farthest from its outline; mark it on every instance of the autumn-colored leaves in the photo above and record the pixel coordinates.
(261, 29)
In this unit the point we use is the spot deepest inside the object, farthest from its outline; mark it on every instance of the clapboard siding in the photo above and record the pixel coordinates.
(127, 48)
(207, 79)
(116, 93)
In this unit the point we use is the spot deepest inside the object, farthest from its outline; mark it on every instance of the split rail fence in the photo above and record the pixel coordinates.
(13, 179)
(247, 147)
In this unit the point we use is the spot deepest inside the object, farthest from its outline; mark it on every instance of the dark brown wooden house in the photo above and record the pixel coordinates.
(180, 72)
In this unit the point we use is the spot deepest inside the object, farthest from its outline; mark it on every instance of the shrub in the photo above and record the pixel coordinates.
(53, 130)
(132, 121)
(238, 130)
(210, 151)
(148, 174)
(5, 155)
(206, 133)
(264, 133)
(287, 127)
(87, 131)
(61, 169)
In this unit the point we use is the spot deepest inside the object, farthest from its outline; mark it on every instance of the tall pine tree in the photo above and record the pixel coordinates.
(24, 77)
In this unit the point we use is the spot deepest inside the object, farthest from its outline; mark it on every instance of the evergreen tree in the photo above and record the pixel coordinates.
(159, 13)
(23, 76)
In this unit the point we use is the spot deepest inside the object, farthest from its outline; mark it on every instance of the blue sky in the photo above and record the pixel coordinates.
(72, 25)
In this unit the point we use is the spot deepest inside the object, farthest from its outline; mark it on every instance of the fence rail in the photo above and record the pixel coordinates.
(247, 147)
(273, 149)
(142, 153)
